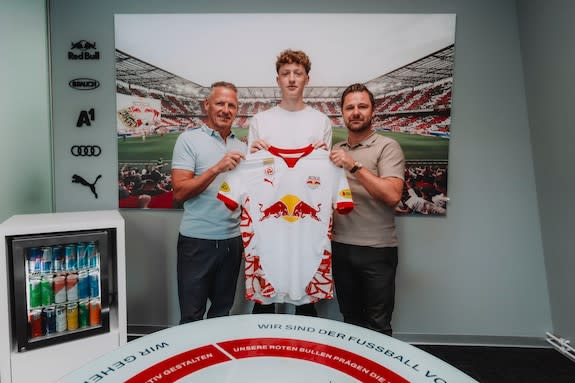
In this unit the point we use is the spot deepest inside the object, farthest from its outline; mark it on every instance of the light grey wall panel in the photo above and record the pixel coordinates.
(478, 271)
(25, 171)
(547, 39)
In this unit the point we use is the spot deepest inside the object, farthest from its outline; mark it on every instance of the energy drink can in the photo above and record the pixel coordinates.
(83, 285)
(72, 316)
(49, 320)
(82, 256)
(35, 321)
(83, 313)
(94, 278)
(72, 286)
(70, 258)
(95, 312)
(35, 287)
(47, 290)
(46, 259)
(92, 252)
(59, 289)
(58, 258)
(61, 321)
(34, 260)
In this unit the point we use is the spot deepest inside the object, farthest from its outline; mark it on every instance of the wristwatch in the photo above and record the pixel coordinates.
(356, 167)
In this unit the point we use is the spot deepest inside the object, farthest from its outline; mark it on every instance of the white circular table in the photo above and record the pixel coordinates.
(267, 348)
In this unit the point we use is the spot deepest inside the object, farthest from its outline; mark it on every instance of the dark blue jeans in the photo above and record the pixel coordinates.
(207, 269)
(365, 284)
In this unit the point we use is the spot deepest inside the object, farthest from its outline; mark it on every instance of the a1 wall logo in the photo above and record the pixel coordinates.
(86, 117)
(83, 50)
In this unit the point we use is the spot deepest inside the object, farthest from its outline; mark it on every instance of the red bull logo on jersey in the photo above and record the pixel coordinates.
(291, 208)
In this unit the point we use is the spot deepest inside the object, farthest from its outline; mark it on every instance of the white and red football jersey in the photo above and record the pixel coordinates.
(287, 198)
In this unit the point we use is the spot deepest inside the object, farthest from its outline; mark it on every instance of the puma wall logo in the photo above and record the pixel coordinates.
(80, 180)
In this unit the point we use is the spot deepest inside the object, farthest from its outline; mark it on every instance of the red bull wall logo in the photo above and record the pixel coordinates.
(291, 208)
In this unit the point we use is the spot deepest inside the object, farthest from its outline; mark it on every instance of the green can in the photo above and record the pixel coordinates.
(47, 290)
(35, 287)
(83, 313)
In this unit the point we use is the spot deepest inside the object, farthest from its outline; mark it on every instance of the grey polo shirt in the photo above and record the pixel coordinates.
(205, 216)
(371, 222)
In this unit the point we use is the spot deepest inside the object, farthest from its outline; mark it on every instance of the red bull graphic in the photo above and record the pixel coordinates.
(291, 208)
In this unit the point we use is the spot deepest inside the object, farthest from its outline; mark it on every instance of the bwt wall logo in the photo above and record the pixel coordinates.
(83, 50)
(84, 83)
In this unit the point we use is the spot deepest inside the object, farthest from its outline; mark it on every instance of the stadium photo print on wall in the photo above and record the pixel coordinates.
(161, 85)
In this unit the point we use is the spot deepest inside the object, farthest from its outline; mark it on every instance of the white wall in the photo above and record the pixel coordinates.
(25, 157)
(547, 39)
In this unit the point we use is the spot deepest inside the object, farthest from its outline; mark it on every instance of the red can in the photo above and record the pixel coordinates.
(35, 319)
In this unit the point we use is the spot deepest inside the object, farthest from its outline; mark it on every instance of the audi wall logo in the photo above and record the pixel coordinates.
(84, 83)
(83, 50)
(86, 150)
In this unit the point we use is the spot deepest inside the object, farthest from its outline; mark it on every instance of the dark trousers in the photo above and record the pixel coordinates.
(207, 269)
(365, 284)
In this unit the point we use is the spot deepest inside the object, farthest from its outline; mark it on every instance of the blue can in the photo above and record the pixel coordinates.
(70, 259)
(94, 277)
(82, 256)
(49, 320)
(46, 259)
(34, 260)
(83, 285)
(58, 263)
(92, 253)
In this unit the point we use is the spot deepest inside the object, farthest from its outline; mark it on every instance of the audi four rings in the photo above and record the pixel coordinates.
(85, 150)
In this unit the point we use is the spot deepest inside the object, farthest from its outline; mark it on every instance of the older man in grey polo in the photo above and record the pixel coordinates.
(209, 242)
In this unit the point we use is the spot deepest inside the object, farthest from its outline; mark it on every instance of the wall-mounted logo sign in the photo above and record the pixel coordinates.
(76, 179)
(83, 50)
(85, 118)
(84, 83)
(86, 150)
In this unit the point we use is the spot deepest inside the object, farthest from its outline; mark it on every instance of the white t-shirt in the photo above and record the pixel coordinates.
(287, 199)
(285, 129)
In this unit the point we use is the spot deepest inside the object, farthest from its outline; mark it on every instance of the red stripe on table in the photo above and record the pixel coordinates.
(356, 366)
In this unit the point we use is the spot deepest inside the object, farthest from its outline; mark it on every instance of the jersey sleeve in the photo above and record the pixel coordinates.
(343, 201)
(229, 192)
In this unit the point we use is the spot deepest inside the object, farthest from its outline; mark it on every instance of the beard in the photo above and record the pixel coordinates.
(366, 125)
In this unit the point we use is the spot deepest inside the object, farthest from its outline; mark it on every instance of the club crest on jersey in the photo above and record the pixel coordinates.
(269, 171)
(313, 182)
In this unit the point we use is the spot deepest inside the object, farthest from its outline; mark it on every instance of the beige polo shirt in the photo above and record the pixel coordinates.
(371, 222)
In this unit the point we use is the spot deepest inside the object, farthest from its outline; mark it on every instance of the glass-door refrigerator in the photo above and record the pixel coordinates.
(65, 292)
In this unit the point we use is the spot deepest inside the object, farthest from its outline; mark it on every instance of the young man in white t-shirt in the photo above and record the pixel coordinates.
(289, 125)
